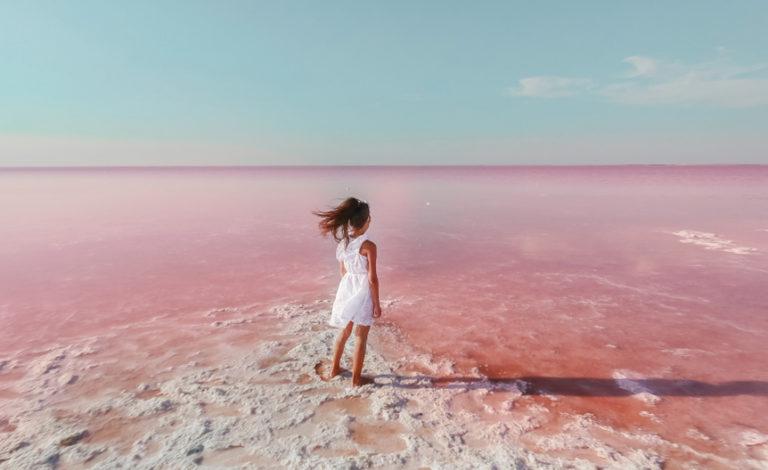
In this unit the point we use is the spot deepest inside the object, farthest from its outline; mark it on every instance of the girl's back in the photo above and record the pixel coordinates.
(354, 261)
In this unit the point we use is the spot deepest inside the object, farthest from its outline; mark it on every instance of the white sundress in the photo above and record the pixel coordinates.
(353, 301)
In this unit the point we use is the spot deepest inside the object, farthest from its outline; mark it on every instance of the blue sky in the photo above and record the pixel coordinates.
(219, 83)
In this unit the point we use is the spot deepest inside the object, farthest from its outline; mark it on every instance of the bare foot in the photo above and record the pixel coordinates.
(322, 370)
(335, 372)
(363, 381)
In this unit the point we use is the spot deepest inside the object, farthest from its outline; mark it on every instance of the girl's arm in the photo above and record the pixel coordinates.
(373, 279)
(343, 269)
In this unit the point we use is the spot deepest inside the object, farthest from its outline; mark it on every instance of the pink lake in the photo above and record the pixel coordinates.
(586, 310)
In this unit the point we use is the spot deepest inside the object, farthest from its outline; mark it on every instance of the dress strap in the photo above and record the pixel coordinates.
(357, 242)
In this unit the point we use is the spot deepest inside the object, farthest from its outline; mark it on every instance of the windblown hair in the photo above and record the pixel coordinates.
(352, 212)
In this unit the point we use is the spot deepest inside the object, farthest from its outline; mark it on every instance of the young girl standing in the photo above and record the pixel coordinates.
(357, 298)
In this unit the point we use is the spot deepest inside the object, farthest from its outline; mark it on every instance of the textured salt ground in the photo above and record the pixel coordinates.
(263, 406)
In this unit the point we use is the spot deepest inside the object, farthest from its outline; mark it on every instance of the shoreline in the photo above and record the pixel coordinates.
(264, 406)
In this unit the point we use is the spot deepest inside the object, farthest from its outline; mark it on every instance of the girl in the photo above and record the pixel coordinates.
(357, 298)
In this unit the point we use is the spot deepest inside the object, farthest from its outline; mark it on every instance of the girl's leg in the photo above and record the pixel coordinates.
(338, 349)
(361, 338)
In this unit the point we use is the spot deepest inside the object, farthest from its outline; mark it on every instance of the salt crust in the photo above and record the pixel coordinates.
(710, 241)
(687, 352)
(283, 416)
(629, 381)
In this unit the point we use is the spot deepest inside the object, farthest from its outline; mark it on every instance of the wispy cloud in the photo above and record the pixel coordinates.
(550, 86)
(644, 66)
(652, 81)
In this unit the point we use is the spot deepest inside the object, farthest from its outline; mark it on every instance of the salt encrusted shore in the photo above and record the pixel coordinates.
(265, 407)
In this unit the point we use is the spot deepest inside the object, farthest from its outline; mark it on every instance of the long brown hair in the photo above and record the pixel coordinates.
(352, 212)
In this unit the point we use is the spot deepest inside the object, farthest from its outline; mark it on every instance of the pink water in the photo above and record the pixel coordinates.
(570, 278)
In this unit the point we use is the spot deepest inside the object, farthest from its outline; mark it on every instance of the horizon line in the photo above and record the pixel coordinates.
(160, 167)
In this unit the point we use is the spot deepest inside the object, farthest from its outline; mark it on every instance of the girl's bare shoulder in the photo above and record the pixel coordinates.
(367, 247)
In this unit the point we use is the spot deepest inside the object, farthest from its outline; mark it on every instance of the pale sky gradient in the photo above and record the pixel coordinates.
(376, 83)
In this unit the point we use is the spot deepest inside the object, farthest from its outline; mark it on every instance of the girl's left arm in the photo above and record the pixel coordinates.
(343, 270)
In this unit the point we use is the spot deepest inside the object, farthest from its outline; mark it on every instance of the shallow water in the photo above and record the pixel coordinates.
(587, 316)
